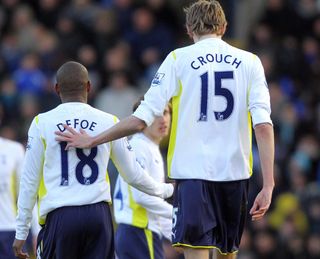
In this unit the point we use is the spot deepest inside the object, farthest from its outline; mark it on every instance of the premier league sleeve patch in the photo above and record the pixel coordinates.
(157, 79)
(29, 143)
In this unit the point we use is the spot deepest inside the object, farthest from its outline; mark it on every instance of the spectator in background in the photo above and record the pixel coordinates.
(124, 10)
(29, 77)
(87, 55)
(9, 98)
(70, 37)
(146, 38)
(106, 31)
(117, 96)
(117, 58)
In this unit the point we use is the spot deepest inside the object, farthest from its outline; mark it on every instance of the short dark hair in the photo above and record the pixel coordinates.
(72, 77)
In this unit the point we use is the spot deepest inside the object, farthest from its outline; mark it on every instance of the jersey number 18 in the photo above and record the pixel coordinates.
(84, 160)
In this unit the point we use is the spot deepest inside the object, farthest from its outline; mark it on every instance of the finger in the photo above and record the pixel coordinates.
(64, 134)
(21, 254)
(258, 212)
(261, 209)
(254, 207)
(69, 145)
(82, 131)
(70, 129)
(257, 217)
(62, 139)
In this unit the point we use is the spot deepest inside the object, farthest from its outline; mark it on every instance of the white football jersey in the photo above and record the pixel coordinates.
(58, 178)
(134, 207)
(218, 92)
(11, 159)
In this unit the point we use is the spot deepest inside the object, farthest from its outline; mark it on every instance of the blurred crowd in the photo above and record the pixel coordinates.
(122, 43)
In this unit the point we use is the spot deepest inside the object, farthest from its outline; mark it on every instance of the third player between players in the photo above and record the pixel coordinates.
(144, 221)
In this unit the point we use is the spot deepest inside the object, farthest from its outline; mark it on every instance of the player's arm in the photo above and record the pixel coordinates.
(30, 179)
(265, 140)
(163, 87)
(124, 159)
(152, 204)
(166, 227)
(19, 163)
(125, 127)
(259, 107)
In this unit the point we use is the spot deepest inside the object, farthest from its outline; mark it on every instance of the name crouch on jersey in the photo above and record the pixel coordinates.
(218, 58)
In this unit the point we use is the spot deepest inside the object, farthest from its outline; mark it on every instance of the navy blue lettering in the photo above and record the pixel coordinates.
(217, 60)
(76, 123)
(235, 62)
(60, 127)
(68, 122)
(192, 65)
(84, 124)
(202, 62)
(225, 59)
(93, 124)
(210, 58)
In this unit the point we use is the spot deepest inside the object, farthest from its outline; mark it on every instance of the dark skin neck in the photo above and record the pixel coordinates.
(68, 99)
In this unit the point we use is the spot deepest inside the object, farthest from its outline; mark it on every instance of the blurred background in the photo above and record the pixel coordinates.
(122, 43)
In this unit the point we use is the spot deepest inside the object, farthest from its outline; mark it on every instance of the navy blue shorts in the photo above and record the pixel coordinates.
(79, 232)
(137, 243)
(209, 214)
(6, 240)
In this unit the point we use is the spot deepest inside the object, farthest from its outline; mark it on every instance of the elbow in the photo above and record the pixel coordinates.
(263, 130)
(139, 125)
(263, 127)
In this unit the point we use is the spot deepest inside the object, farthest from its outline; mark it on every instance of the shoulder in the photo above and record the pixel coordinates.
(140, 143)
(105, 115)
(14, 146)
(180, 52)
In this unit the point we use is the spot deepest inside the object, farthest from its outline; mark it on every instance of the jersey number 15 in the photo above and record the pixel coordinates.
(218, 91)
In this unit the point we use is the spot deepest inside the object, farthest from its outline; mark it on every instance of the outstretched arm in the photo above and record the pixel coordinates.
(125, 127)
(265, 140)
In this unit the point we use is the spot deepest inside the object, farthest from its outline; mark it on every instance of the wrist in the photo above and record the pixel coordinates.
(93, 142)
(269, 186)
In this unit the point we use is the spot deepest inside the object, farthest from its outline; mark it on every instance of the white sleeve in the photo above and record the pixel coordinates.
(30, 179)
(163, 87)
(19, 163)
(153, 204)
(150, 203)
(166, 227)
(35, 226)
(124, 159)
(259, 97)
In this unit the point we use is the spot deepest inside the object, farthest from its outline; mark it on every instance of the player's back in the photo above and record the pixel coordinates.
(211, 121)
(76, 176)
(11, 157)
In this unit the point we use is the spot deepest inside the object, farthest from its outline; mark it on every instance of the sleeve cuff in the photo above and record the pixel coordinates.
(260, 116)
(21, 235)
(144, 114)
